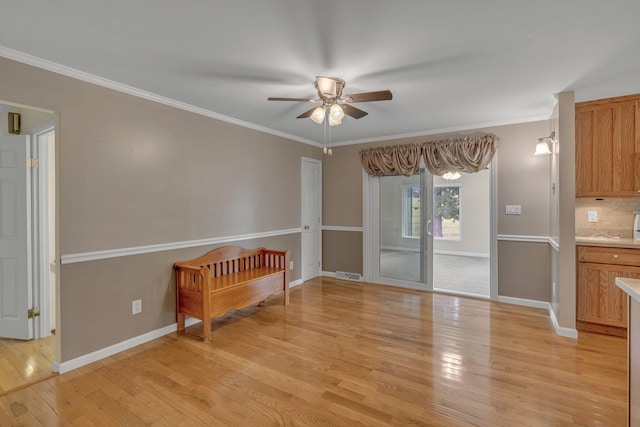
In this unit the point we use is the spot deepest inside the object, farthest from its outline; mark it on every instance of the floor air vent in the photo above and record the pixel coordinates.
(348, 276)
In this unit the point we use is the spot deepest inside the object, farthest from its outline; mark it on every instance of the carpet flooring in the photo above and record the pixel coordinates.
(450, 272)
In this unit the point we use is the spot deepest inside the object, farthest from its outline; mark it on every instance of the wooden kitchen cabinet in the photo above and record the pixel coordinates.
(601, 305)
(608, 147)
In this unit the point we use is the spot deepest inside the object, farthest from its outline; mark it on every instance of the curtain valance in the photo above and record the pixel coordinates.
(465, 154)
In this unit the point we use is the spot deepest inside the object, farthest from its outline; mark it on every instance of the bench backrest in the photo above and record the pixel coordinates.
(232, 259)
(229, 259)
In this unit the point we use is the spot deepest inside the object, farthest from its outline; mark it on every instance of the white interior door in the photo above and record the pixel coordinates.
(14, 237)
(311, 174)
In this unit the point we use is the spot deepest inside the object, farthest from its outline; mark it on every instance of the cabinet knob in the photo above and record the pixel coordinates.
(615, 256)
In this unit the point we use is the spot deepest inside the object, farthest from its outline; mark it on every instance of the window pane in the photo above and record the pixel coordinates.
(446, 212)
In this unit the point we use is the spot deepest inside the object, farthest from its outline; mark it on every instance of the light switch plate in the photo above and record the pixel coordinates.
(592, 216)
(513, 210)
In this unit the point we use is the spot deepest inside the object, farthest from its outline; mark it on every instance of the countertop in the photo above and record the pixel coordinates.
(630, 286)
(608, 242)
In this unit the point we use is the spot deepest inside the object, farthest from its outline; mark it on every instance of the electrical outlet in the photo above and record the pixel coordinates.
(592, 216)
(136, 306)
(290, 265)
(513, 210)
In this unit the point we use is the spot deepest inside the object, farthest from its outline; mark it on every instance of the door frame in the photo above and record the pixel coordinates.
(41, 228)
(371, 234)
(303, 277)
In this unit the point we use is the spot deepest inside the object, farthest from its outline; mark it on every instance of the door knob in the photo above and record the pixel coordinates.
(306, 227)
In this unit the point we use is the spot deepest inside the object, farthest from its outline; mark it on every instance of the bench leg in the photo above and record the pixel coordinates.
(180, 322)
(286, 296)
(206, 329)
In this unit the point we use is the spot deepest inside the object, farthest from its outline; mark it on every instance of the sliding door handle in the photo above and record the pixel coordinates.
(429, 227)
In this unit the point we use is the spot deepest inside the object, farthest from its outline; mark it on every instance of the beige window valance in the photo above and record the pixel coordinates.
(465, 154)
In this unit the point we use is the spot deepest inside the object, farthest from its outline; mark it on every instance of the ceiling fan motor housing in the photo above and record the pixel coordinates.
(329, 87)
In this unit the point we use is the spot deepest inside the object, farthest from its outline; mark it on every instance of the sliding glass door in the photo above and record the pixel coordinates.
(429, 233)
(404, 246)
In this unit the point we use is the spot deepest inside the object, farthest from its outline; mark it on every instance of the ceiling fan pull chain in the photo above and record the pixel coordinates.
(324, 143)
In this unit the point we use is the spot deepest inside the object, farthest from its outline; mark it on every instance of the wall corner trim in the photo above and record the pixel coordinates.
(559, 330)
(139, 250)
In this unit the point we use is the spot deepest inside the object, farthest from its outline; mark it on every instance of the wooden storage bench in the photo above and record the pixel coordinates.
(228, 278)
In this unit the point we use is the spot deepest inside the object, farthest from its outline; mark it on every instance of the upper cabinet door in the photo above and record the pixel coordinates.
(607, 147)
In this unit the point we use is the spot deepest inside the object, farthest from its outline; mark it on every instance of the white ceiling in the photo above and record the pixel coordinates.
(450, 64)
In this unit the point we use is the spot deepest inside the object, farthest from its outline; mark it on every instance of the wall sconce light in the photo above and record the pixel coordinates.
(542, 147)
(14, 123)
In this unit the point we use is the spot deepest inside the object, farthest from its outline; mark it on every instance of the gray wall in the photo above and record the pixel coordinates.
(133, 173)
(342, 250)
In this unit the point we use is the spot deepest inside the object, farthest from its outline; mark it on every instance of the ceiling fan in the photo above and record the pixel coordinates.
(330, 95)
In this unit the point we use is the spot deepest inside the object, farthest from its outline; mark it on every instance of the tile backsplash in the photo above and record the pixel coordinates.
(615, 216)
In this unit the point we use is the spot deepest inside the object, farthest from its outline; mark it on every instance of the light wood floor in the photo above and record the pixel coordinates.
(345, 353)
(25, 362)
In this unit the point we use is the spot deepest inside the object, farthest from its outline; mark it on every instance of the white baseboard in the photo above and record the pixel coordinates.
(524, 302)
(328, 273)
(295, 283)
(103, 353)
(560, 330)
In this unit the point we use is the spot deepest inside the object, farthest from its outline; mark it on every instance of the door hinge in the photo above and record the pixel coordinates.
(33, 312)
(33, 162)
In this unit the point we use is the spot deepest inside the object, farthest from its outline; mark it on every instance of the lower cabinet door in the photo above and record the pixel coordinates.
(600, 301)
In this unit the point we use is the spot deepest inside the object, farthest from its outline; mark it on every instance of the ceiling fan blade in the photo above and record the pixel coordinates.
(306, 114)
(381, 95)
(292, 99)
(352, 111)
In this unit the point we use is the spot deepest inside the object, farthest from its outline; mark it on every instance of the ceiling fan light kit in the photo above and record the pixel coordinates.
(329, 91)
(318, 115)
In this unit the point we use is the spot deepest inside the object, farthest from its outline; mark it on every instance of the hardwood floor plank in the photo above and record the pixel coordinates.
(25, 362)
(345, 353)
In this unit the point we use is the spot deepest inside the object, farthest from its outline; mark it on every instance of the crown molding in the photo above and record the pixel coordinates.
(461, 128)
(130, 90)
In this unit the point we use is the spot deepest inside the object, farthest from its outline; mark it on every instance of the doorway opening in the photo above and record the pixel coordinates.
(28, 312)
